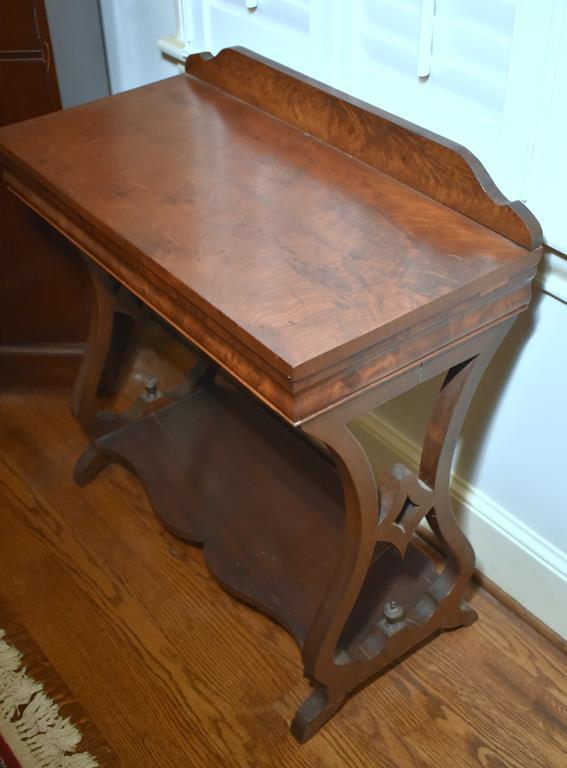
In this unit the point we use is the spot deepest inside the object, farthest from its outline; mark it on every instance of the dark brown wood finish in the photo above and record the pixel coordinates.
(173, 672)
(353, 636)
(43, 316)
(28, 82)
(258, 542)
(326, 286)
(259, 242)
(441, 169)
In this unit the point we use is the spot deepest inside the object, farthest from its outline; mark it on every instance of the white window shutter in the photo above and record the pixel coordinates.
(277, 29)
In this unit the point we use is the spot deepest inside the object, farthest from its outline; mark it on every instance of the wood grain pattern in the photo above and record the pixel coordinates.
(281, 254)
(215, 458)
(148, 657)
(39, 668)
(305, 273)
(441, 169)
(221, 471)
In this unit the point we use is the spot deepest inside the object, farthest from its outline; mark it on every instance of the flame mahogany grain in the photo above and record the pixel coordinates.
(305, 273)
(328, 257)
(441, 169)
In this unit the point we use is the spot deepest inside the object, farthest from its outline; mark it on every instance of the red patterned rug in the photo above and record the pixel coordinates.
(7, 759)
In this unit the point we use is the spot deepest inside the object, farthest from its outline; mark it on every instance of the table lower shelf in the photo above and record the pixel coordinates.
(267, 505)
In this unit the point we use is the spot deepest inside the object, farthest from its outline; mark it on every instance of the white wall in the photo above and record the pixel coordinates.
(498, 75)
(78, 49)
(131, 31)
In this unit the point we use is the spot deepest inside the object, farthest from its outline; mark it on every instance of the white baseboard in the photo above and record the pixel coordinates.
(512, 555)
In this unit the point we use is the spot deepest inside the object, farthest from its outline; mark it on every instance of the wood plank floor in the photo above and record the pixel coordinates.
(174, 673)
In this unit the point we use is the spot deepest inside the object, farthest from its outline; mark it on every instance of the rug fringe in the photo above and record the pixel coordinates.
(30, 722)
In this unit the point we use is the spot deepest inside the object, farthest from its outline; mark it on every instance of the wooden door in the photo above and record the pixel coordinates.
(43, 312)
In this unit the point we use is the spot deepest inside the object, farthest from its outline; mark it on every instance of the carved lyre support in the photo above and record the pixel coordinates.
(114, 316)
(109, 306)
(441, 437)
(387, 515)
(102, 306)
(107, 339)
(333, 258)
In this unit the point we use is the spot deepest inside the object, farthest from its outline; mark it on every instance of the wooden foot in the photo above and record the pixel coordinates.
(464, 616)
(89, 464)
(319, 707)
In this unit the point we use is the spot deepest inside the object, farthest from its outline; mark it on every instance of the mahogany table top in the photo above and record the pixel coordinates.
(284, 248)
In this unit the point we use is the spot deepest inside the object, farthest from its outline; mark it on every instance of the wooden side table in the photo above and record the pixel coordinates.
(324, 257)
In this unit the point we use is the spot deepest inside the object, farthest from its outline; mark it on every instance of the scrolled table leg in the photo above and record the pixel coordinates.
(112, 316)
(319, 707)
(102, 306)
(453, 400)
(353, 635)
(107, 302)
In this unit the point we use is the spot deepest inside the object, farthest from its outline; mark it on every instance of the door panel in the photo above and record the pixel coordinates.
(26, 90)
(19, 25)
(43, 315)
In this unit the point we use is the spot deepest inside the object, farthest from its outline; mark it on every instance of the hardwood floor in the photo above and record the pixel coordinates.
(173, 672)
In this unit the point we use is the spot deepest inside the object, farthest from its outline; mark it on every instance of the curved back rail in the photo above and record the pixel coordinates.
(437, 167)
